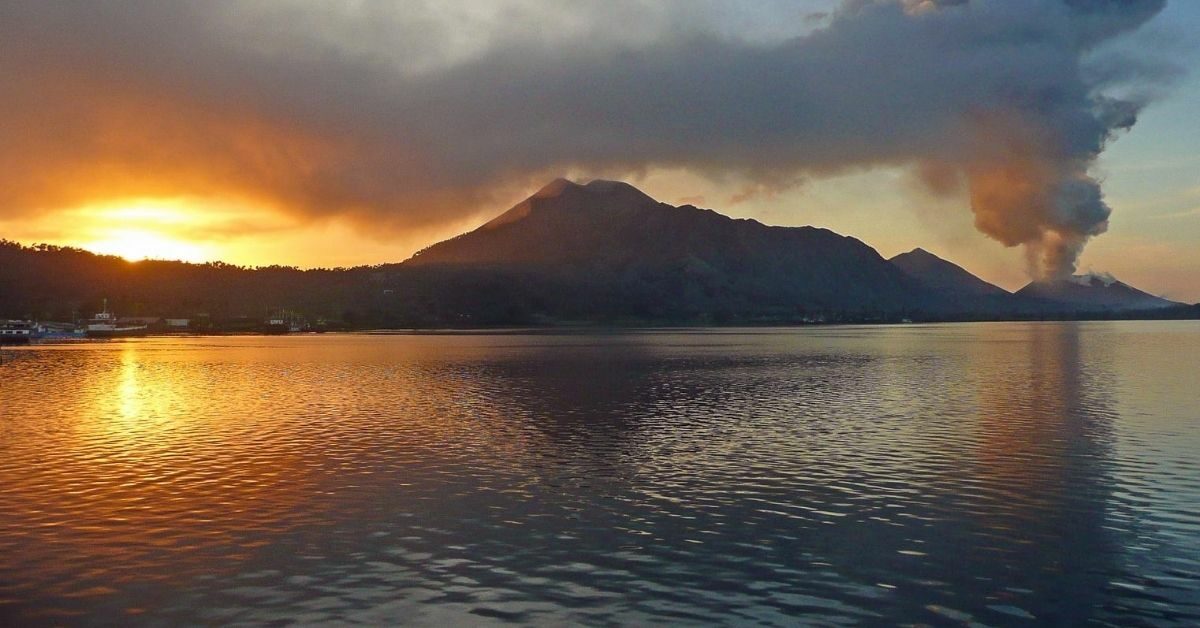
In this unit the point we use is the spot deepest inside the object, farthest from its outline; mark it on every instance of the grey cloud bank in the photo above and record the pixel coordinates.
(388, 116)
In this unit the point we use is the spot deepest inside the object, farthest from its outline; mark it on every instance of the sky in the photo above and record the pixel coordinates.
(1017, 138)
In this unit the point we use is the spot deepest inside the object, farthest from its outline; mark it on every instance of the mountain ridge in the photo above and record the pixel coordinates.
(579, 233)
(597, 253)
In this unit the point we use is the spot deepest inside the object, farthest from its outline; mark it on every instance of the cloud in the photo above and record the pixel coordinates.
(416, 115)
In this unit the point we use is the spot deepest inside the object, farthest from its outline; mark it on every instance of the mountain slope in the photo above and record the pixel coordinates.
(611, 240)
(943, 275)
(1094, 292)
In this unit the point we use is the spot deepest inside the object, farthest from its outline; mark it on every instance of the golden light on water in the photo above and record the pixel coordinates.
(128, 389)
(137, 406)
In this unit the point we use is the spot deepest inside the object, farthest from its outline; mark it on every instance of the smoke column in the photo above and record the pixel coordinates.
(1026, 158)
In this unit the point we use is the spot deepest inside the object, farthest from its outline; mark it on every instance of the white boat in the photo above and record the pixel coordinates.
(284, 322)
(105, 325)
(276, 325)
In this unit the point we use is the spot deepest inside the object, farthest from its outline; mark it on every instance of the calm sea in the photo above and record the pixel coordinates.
(975, 473)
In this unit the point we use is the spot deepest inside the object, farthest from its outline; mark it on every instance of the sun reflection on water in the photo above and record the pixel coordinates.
(980, 470)
(133, 405)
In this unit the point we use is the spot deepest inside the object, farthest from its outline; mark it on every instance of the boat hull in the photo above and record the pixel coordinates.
(19, 333)
(132, 332)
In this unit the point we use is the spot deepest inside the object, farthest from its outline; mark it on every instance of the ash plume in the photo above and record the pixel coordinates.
(413, 114)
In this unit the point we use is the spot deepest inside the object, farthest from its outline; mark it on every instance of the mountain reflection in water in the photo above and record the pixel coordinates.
(979, 472)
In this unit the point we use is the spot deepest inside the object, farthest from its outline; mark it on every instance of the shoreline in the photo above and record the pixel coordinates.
(568, 330)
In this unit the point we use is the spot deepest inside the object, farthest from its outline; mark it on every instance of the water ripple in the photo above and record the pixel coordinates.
(993, 474)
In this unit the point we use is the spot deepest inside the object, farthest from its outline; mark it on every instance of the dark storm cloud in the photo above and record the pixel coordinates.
(386, 118)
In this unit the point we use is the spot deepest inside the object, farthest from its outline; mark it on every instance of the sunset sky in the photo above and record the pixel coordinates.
(337, 134)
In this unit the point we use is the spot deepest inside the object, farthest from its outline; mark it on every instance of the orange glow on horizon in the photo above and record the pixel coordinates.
(136, 245)
(231, 230)
(143, 229)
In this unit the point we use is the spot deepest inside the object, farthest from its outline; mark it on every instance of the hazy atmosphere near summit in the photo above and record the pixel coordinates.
(697, 312)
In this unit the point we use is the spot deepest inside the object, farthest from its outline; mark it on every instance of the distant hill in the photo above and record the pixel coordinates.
(61, 283)
(1094, 292)
(942, 275)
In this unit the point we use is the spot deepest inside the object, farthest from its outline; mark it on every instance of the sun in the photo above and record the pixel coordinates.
(139, 244)
(143, 230)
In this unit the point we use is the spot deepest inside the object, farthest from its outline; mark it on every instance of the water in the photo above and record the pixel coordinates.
(980, 473)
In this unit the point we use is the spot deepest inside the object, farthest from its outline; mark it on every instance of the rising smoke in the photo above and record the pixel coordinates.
(377, 114)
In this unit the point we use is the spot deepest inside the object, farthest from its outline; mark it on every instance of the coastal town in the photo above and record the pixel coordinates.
(107, 324)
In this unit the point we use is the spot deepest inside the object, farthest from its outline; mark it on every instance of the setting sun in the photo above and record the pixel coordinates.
(140, 244)
(143, 229)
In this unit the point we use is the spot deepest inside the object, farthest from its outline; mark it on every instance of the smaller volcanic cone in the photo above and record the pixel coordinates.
(1094, 291)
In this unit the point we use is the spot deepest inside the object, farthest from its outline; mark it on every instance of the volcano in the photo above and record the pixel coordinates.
(608, 245)
(1094, 291)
